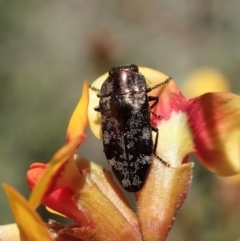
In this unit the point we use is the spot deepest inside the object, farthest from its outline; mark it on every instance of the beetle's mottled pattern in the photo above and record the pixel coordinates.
(126, 125)
(126, 128)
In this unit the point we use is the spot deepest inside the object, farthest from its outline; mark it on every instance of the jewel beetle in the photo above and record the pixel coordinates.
(126, 124)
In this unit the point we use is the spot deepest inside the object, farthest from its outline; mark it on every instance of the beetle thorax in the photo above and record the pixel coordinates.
(123, 82)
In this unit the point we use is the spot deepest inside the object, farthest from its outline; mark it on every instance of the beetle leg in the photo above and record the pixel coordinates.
(158, 116)
(97, 108)
(94, 88)
(158, 85)
(156, 139)
(153, 98)
(155, 147)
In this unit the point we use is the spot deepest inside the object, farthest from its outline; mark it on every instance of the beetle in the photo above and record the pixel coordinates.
(126, 125)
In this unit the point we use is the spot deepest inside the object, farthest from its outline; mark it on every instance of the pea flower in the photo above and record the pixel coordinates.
(207, 126)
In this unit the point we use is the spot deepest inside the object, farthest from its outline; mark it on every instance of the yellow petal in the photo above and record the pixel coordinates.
(215, 119)
(205, 80)
(9, 232)
(94, 117)
(107, 222)
(161, 198)
(30, 225)
(152, 76)
(78, 121)
(175, 139)
(54, 212)
(49, 177)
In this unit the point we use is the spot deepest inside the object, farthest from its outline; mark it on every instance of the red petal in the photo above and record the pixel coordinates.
(47, 182)
(59, 200)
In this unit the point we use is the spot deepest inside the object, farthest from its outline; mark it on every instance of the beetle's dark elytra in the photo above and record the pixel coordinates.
(126, 125)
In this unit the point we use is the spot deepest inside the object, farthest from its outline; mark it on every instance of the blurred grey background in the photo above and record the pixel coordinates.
(47, 49)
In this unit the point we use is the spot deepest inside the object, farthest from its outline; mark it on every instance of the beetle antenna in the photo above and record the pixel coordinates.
(94, 88)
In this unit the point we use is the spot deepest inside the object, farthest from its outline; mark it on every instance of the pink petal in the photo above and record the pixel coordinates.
(175, 140)
(215, 121)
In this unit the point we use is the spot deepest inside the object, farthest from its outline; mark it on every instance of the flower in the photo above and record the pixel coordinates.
(82, 190)
(206, 125)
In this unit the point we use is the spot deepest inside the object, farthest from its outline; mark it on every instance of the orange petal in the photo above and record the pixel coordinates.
(107, 222)
(49, 178)
(9, 232)
(30, 225)
(161, 198)
(79, 119)
(215, 118)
